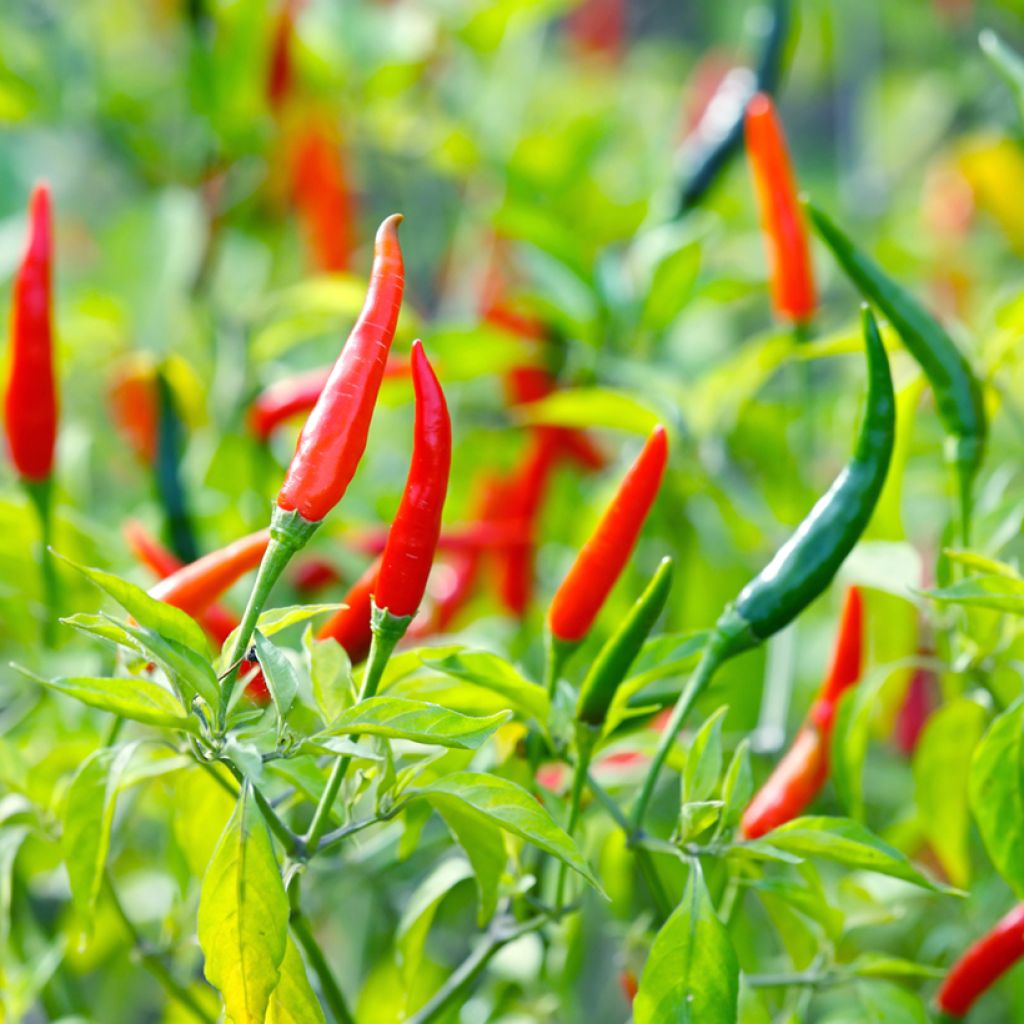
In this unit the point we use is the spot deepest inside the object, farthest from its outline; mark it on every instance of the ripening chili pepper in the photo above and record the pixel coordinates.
(314, 575)
(920, 701)
(218, 621)
(469, 537)
(603, 557)
(983, 964)
(134, 406)
(800, 775)
(197, 585)
(280, 71)
(30, 404)
(350, 625)
(719, 135)
(294, 395)
(323, 194)
(334, 436)
(629, 985)
(170, 442)
(782, 221)
(956, 388)
(808, 561)
(609, 668)
(412, 540)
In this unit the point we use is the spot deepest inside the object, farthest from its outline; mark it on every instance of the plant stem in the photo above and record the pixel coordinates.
(329, 986)
(695, 685)
(387, 631)
(469, 970)
(40, 493)
(585, 738)
(343, 832)
(292, 843)
(154, 963)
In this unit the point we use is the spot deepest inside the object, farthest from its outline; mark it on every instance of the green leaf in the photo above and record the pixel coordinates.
(981, 563)
(494, 673)
(164, 619)
(414, 926)
(591, 407)
(402, 719)
(997, 794)
(845, 842)
(691, 975)
(274, 620)
(137, 699)
(279, 673)
(882, 1002)
(674, 262)
(737, 787)
(704, 759)
(879, 965)
(243, 916)
(998, 592)
(483, 842)
(88, 816)
(509, 806)
(294, 1001)
(942, 762)
(330, 672)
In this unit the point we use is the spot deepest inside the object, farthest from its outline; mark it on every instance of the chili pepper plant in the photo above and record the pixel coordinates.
(511, 512)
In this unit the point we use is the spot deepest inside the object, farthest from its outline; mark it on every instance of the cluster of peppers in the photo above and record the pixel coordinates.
(381, 605)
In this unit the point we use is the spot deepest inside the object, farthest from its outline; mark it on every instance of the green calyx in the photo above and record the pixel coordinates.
(291, 529)
(620, 651)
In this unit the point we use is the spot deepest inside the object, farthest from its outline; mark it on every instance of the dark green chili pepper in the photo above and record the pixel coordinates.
(957, 390)
(717, 145)
(804, 566)
(167, 471)
(612, 664)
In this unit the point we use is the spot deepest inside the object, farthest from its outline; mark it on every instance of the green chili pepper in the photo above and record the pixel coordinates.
(805, 565)
(621, 649)
(957, 390)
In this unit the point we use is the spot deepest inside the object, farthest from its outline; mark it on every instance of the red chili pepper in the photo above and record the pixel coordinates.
(323, 195)
(917, 706)
(350, 625)
(197, 585)
(469, 537)
(280, 72)
(294, 395)
(31, 400)
(334, 436)
(598, 27)
(602, 559)
(313, 575)
(793, 292)
(799, 776)
(412, 540)
(629, 985)
(134, 406)
(987, 960)
(218, 621)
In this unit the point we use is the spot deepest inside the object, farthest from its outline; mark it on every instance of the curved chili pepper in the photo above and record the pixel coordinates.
(603, 557)
(719, 134)
(619, 652)
(30, 404)
(197, 585)
(800, 775)
(412, 540)
(295, 395)
(350, 625)
(334, 437)
(956, 388)
(782, 222)
(806, 563)
(218, 621)
(986, 961)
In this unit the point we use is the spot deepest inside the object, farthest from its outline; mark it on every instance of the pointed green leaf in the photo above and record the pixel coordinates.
(494, 673)
(704, 759)
(278, 671)
(484, 844)
(294, 1001)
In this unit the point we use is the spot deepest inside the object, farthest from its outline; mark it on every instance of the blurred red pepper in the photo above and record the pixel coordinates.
(134, 405)
(280, 70)
(986, 961)
(334, 436)
(292, 396)
(313, 575)
(799, 776)
(195, 586)
(629, 985)
(782, 221)
(31, 399)
(350, 625)
(603, 557)
(920, 700)
(218, 621)
(412, 539)
(598, 27)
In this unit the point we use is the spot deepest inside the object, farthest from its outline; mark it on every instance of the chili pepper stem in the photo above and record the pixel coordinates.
(40, 493)
(289, 532)
(695, 685)
(558, 653)
(387, 630)
(586, 738)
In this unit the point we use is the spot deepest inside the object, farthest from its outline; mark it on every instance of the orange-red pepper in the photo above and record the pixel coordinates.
(793, 291)
(350, 625)
(31, 400)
